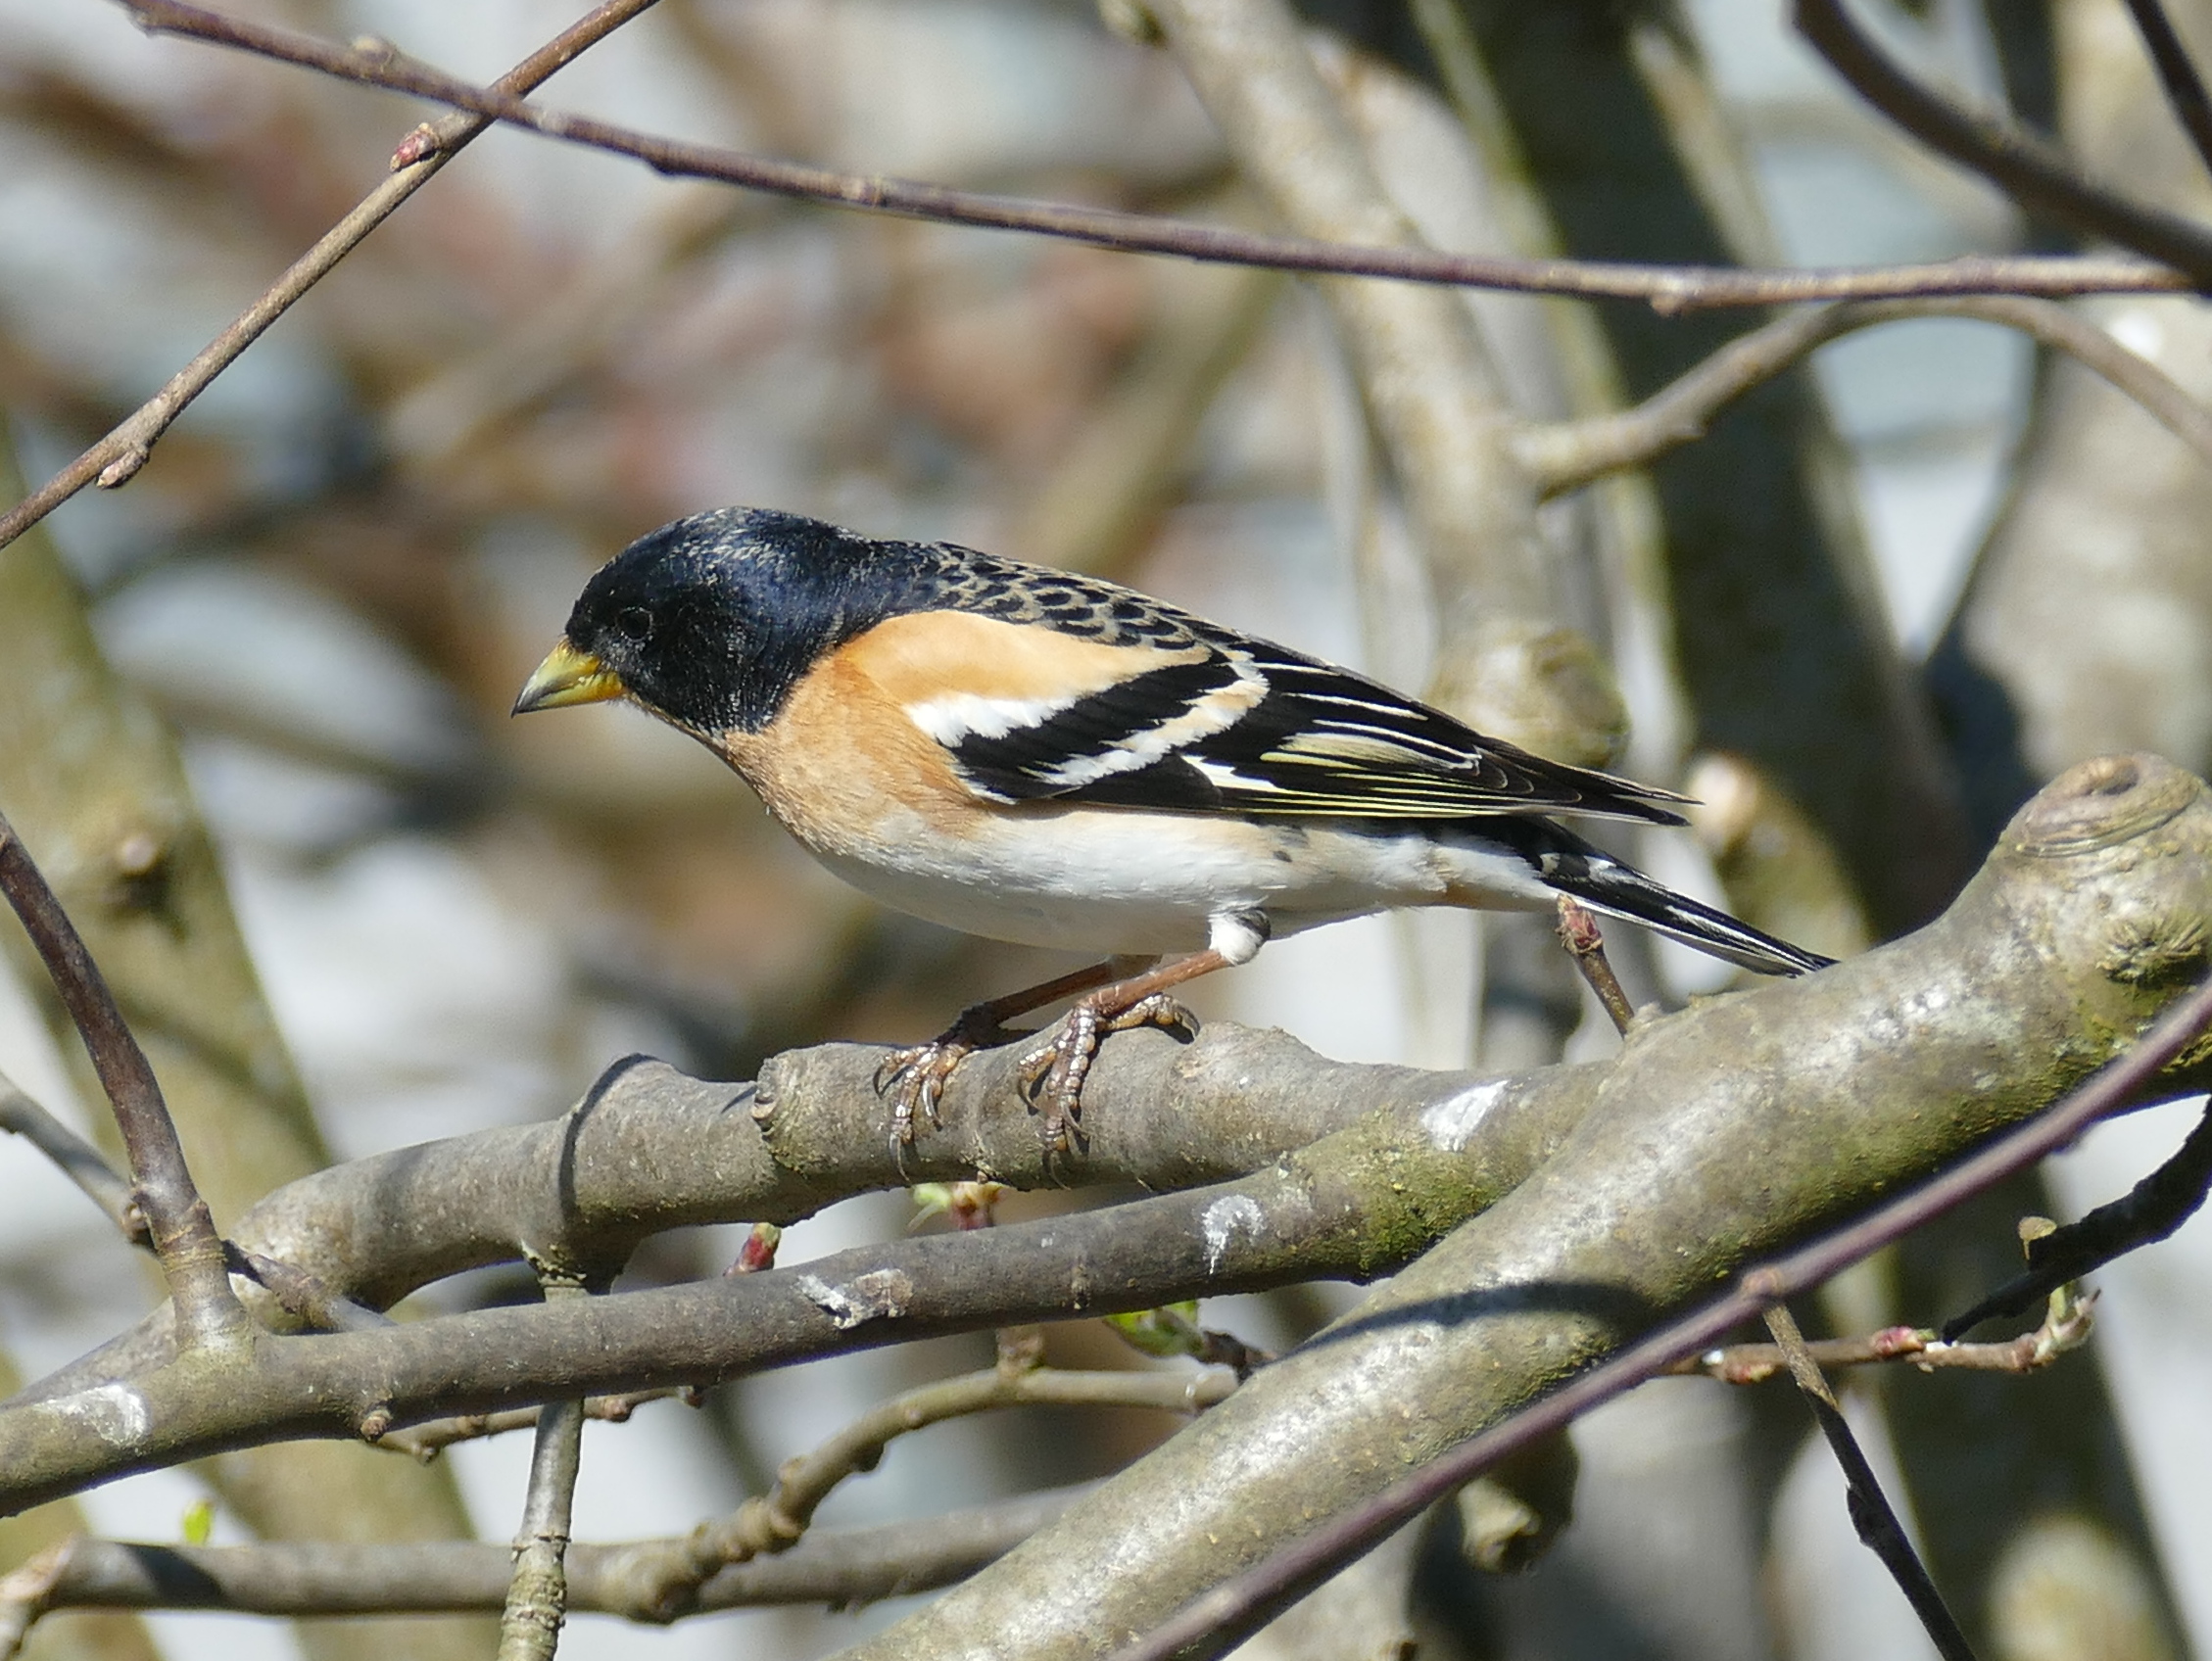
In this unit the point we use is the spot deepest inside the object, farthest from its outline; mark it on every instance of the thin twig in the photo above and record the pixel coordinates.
(77, 1158)
(424, 1441)
(2065, 1327)
(177, 1220)
(1667, 288)
(777, 1520)
(1567, 455)
(2150, 1210)
(2185, 88)
(837, 1568)
(1238, 1603)
(26, 1593)
(124, 450)
(297, 1291)
(537, 1597)
(1585, 943)
(303, 1294)
(1871, 1513)
(2032, 171)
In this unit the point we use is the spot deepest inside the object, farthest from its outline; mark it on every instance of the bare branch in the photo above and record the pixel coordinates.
(183, 1233)
(1504, 1298)
(1567, 454)
(118, 457)
(536, 1593)
(1667, 288)
(2065, 1327)
(1718, 1133)
(1585, 943)
(1235, 1604)
(303, 1294)
(837, 1568)
(423, 1442)
(777, 1520)
(1871, 1512)
(648, 1580)
(1354, 1205)
(75, 1157)
(2185, 88)
(2026, 168)
(2152, 1211)
(649, 1150)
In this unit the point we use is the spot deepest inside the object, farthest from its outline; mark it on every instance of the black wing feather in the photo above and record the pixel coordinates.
(1032, 762)
(1321, 742)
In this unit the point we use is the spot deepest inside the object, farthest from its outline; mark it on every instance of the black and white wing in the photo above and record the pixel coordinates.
(1241, 725)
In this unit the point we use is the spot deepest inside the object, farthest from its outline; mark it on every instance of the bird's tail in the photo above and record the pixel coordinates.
(1605, 884)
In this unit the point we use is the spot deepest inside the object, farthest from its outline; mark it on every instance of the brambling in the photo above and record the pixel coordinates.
(1045, 758)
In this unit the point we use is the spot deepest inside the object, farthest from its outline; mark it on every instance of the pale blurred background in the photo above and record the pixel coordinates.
(339, 566)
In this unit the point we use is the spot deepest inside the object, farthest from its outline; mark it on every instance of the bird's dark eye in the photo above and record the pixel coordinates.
(633, 622)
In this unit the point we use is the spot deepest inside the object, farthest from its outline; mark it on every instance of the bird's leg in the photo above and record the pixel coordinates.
(1055, 1069)
(916, 1076)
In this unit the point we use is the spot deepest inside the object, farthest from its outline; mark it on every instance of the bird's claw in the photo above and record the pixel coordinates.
(915, 1078)
(1053, 1073)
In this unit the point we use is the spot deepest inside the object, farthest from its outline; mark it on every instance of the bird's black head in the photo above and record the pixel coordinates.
(712, 620)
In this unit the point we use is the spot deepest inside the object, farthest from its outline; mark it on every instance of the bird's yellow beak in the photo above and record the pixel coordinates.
(568, 676)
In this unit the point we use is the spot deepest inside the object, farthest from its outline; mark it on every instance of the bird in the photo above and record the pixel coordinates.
(1043, 758)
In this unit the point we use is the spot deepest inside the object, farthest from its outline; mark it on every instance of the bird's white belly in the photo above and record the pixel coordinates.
(1122, 880)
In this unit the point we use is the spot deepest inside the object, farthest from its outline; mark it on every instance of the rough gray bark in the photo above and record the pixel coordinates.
(1834, 1091)
(1718, 1135)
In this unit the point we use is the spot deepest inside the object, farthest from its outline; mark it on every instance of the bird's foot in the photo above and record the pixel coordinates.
(915, 1078)
(1053, 1072)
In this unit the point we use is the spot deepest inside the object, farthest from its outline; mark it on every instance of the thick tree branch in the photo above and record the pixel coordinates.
(1718, 1132)
(649, 1150)
(1669, 288)
(1567, 454)
(1661, 1192)
(1237, 1604)
(2076, 931)
(1353, 1205)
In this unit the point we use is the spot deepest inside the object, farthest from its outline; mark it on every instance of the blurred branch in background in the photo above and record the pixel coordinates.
(93, 780)
(1672, 287)
(119, 458)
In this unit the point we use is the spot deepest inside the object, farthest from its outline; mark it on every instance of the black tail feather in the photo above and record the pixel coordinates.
(1605, 884)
